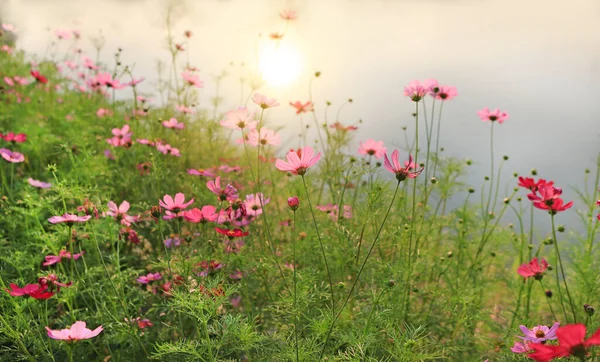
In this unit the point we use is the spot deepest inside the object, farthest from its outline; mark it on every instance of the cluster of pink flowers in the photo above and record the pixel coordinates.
(333, 211)
(417, 90)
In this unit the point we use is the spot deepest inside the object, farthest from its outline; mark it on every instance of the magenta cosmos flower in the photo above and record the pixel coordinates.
(36, 291)
(255, 202)
(150, 277)
(372, 148)
(209, 172)
(63, 254)
(521, 347)
(264, 102)
(495, 115)
(175, 205)
(10, 156)
(14, 137)
(76, 332)
(539, 334)
(533, 269)
(298, 162)
(549, 199)
(40, 184)
(68, 218)
(240, 118)
(402, 173)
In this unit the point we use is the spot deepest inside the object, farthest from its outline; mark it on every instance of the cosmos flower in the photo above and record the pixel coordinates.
(76, 332)
(298, 162)
(372, 148)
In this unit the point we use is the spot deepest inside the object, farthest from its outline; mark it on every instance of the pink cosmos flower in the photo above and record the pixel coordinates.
(89, 63)
(101, 112)
(62, 34)
(120, 213)
(533, 269)
(40, 184)
(144, 141)
(202, 172)
(333, 211)
(264, 137)
(10, 156)
(288, 15)
(540, 334)
(549, 199)
(150, 277)
(121, 137)
(167, 149)
(109, 155)
(133, 82)
(175, 205)
(493, 116)
(520, 347)
(9, 27)
(298, 162)
(228, 193)
(303, 108)
(402, 173)
(183, 109)
(172, 123)
(372, 148)
(76, 332)
(416, 91)
(264, 102)
(68, 218)
(240, 118)
(255, 202)
(105, 79)
(63, 254)
(227, 169)
(192, 79)
(208, 213)
(446, 93)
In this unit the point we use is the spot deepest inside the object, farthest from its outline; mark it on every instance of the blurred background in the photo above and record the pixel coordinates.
(537, 60)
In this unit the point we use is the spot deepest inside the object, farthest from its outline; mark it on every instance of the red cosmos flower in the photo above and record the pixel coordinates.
(533, 269)
(15, 138)
(549, 199)
(530, 184)
(571, 342)
(35, 291)
(235, 233)
(38, 77)
(402, 173)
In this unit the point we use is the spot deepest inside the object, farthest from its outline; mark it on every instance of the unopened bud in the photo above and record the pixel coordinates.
(561, 228)
(549, 293)
(589, 310)
(293, 203)
(505, 158)
(534, 172)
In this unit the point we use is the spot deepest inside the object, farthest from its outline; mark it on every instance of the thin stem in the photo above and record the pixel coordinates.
(548, 300)
(295, 295)
(562, 270)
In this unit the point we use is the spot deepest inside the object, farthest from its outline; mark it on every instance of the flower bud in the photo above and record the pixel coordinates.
(293, 203)
(549, 293)
(561, 228)
(505, 158)
(589, 310)
(533, 172)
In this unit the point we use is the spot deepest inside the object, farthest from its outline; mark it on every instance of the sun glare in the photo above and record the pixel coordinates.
(279, 65)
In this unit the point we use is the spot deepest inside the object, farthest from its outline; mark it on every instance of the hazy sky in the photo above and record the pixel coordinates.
(539, 60)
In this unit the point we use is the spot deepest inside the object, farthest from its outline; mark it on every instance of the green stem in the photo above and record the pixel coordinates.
(562, 270)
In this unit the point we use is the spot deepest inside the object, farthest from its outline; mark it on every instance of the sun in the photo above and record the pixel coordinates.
(279, 64)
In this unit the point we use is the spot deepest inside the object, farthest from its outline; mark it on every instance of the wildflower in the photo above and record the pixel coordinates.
(240, 118)
(187, 34)
(402, 173)
(264, 137)
(298, 162)
(35, 291)
(233, 246)
(170, 242)
(101, 112)
(121, 137)
(183, 109)
(446, 93)
(40, 184)
(150, 277)
(416, 91)
(76, 332)
(63, 254)
(144, 323)
(235, 233)
(493, 116)
(372, 148)
(52, 282)
(303, 108)
(167, 149)
(9, 27)
(255, 202)
(530, 184)
(539, 334)
(571, 342)
(38, 77)
(62, 34)
(109, 155)
(14, 138)
(333, 211)
(208, 213)
(288, 15)
(533, 269)
(264, 102)
(69, 219)
(549, 199)
(175, 205)
(209, 267)
(201, 172)
(120, 213)
(520, 347)
(144, 168)
(172, 123)
(341, 127)
(10, 156)
(192, 79)
(228, 169)
(293, 203)
(589, 310)
(105, 79)
(228, 193)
